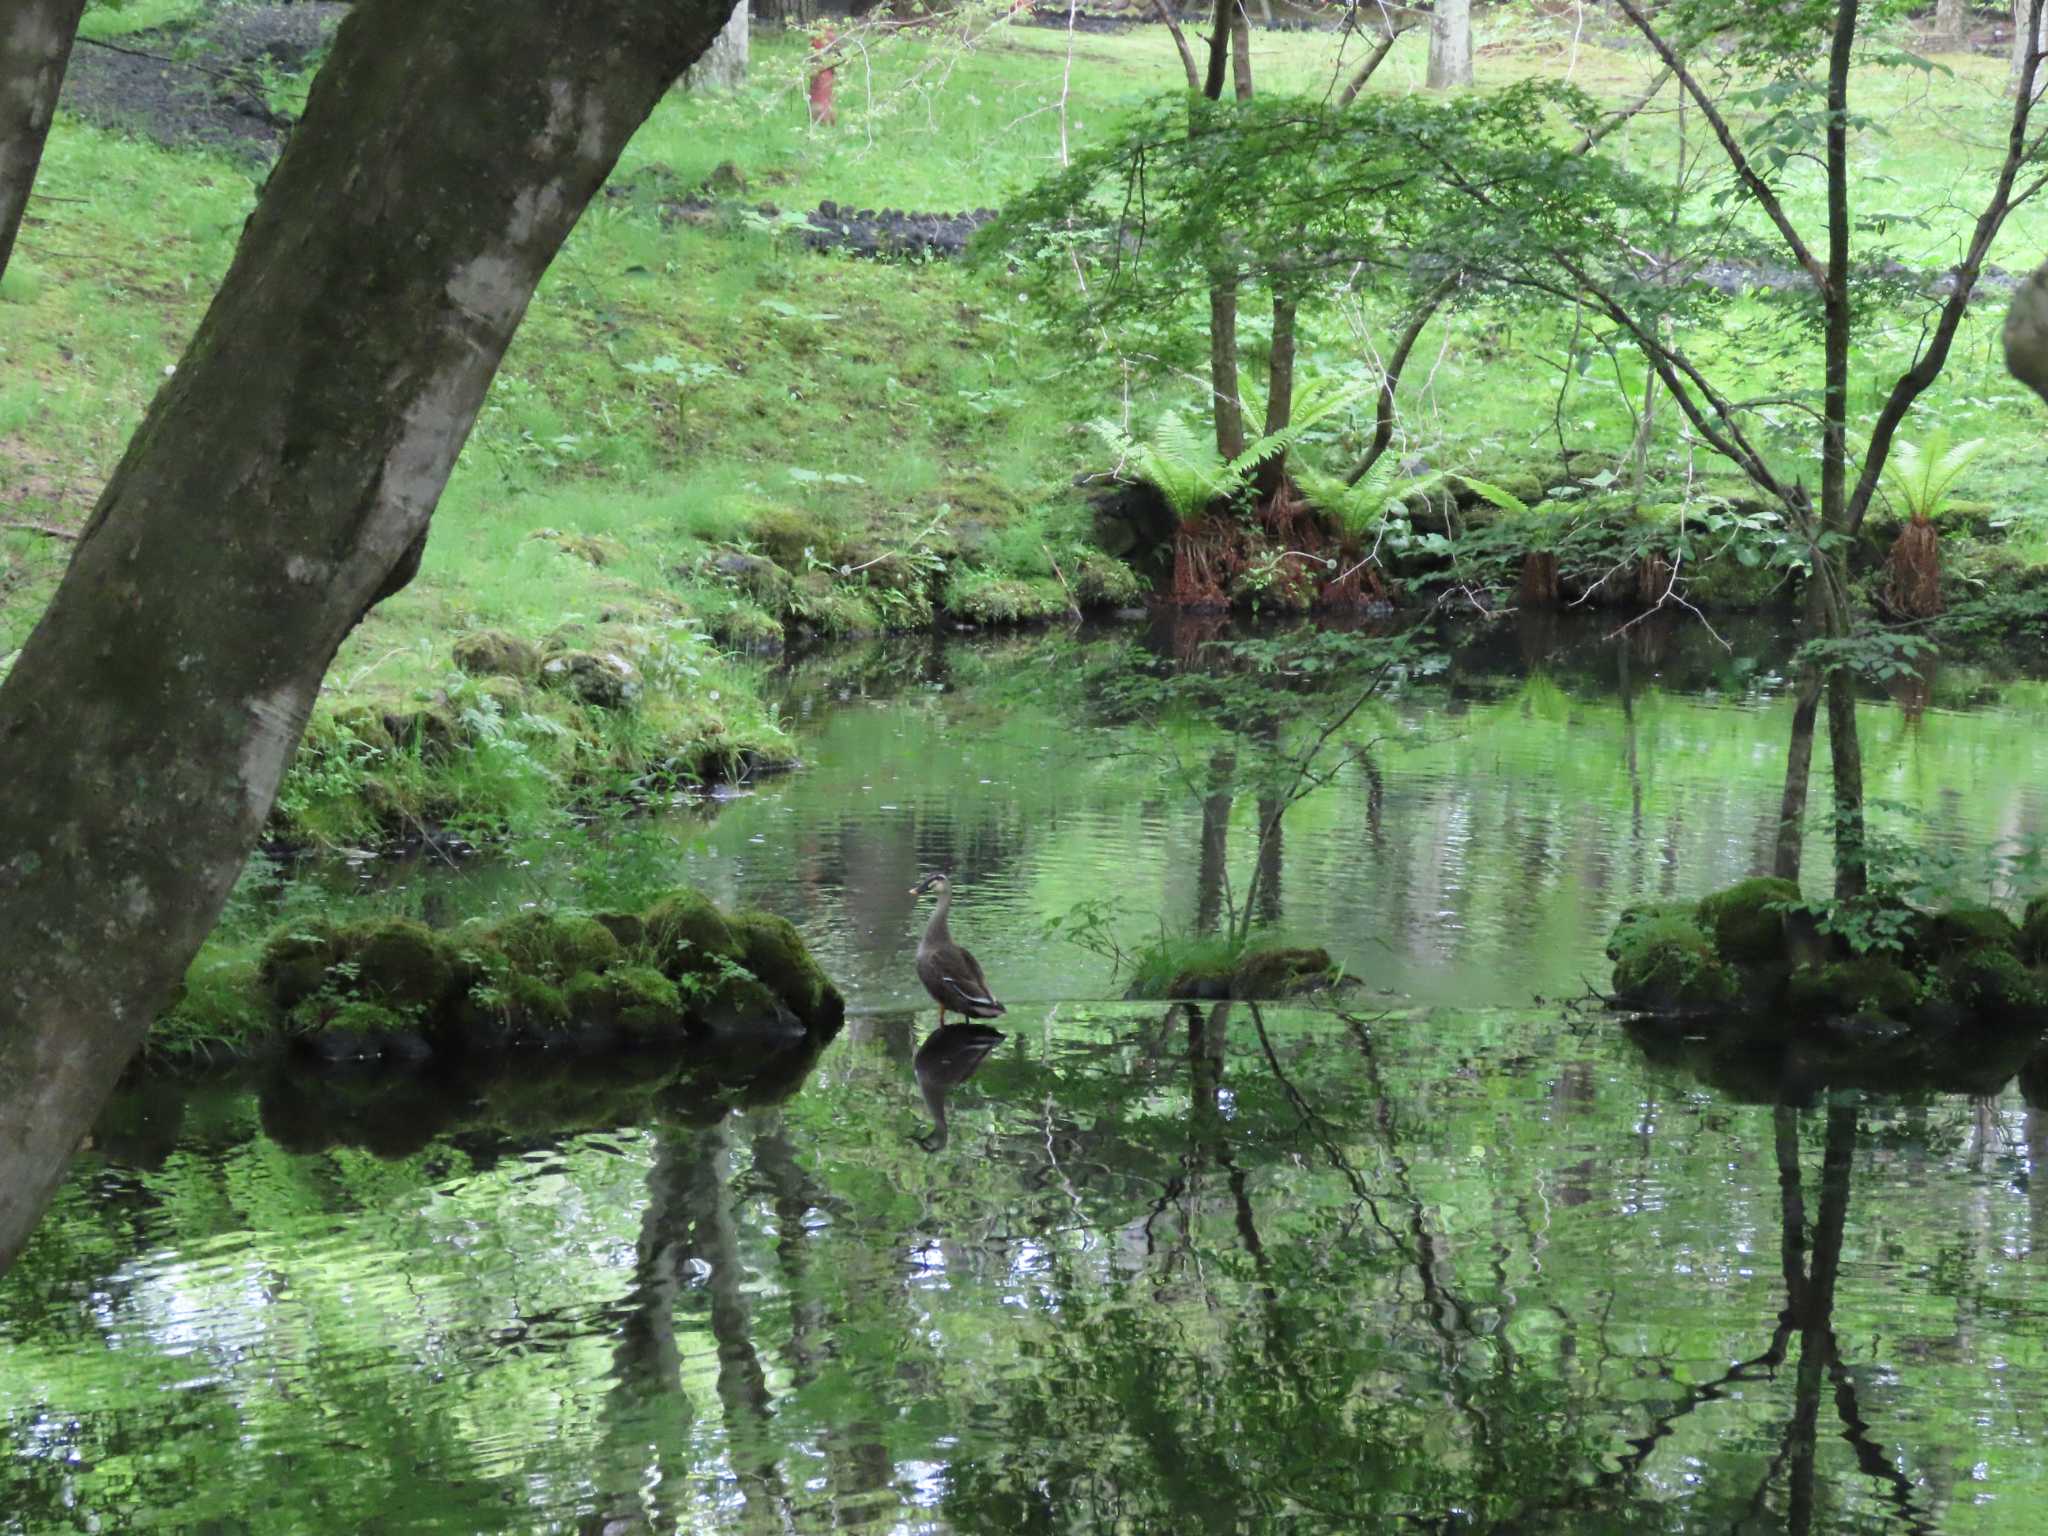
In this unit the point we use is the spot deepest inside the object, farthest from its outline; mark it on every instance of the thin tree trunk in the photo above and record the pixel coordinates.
(1223, 368)
(1830, 566)
(1180, 41)
(1279, 394)
(280, 486)
(1240, 52)
(2025, 40)
(724, 65)
(35, 47)
(1798, 774)
(1370, 63)
(1450, 44)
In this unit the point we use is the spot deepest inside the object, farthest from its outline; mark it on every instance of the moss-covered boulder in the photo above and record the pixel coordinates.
(1867, 984)
(497, 653)
(1664, 959)
(1281, 972)
(1967, 927)
(295, 961)
(629, 928)
(551, 944)
(772, 949)
(686, 935)
(1992, 983)
(2033, 945)
(1744, 921)
(634, 998)
(734, 1009)
(600, 679)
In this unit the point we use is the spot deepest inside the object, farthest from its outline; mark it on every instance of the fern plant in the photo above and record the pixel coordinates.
(1182, 465)
(1360, 507)
(1919, 476)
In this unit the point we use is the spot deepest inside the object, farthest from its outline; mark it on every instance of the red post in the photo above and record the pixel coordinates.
(822, 113)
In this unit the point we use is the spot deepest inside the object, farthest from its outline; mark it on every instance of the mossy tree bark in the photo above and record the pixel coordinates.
(35, 48)
(280, 485)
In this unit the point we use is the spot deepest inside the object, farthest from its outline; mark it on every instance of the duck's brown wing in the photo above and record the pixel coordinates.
(953, 977)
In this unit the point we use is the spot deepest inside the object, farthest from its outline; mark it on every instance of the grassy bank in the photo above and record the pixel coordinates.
(709, 442)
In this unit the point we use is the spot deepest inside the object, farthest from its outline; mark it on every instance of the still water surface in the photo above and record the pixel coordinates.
(1427, 1263)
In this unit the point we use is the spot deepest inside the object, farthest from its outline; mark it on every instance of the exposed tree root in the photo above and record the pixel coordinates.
(1912, 577)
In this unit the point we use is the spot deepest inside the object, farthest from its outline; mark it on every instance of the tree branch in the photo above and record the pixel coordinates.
(1758, 187)
(1927, 367)
(1180, 41)
(43, 528)
(1372, 62)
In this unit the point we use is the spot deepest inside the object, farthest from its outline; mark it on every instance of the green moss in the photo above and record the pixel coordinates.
(532, 1002)
(497, 653)
(774, 951)
(551, 944)
(737, 1006)
(2033, 945)
(1991, 982)
(687, 935)
(295, 961)
(1968, 927)
(357, 1017)
(1103, 581)
(835, 611)
(399, 962)
(1866, 985)
(1279, 972)
(1740, 919)
(984, 598)
(637, 998)
(1663, 959)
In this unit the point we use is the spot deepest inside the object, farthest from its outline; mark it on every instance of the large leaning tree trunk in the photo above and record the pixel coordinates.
(35, 47)
(279, 486)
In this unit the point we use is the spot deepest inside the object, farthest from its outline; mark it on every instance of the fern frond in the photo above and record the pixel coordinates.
(1506, 500)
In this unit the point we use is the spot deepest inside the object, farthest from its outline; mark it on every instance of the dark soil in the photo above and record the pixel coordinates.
(200, 86)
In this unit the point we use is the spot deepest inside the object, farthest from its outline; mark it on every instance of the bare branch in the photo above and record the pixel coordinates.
(43, 528)
(1180, 41)
(1372, 62)
(1744, 171)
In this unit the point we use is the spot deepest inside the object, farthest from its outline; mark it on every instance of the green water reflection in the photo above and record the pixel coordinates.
(1176, 1270)
(1523, 790)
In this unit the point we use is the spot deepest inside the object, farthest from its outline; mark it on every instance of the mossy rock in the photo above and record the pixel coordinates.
(1664, 960)
(364, 722)
(775, 952)
(399, 962)
(295, 961)
(787, 536)
(362, 1021)
(742, 625)
(738, 1010)
(635, 998)
(430, 732)
(985, 599)
(1103, 581)
(1744, 929)
(601, 679)
(840, 612)
(1868, 984)
(497, 653)
(1967, 927)
(629, 928)
(1991, 982)
(686, 935)
(551, 944)
(2033, 945)
(1281, 972)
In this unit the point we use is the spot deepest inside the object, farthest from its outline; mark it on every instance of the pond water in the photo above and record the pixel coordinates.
(1221, 1270)
(1438, 1260)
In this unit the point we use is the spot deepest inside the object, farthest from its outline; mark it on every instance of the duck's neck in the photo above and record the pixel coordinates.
(935, 931)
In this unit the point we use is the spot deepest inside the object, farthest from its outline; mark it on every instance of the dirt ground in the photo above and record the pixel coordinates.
(203, 85)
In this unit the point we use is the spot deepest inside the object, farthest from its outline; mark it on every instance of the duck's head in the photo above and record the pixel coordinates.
(936, 881)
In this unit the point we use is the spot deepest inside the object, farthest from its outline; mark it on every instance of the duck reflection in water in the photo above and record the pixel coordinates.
(949, 1056)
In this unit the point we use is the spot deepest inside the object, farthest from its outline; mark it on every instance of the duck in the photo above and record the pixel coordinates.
(949, 973)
